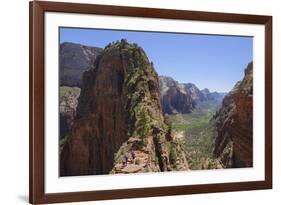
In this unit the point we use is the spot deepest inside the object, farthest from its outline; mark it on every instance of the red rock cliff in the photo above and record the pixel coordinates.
(234, 123)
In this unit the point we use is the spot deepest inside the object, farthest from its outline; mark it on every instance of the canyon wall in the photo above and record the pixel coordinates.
(183, 97)
(74, 60)
(234, 124)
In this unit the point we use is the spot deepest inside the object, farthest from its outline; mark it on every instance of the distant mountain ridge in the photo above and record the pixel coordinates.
(74, 60)
(182, 97)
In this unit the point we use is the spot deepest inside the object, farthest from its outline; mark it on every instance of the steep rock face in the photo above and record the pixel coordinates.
(68, 102)
(174, 98)
(196, 95)
(183, 97)
(119, 118)
(74, 60)
(234, 123)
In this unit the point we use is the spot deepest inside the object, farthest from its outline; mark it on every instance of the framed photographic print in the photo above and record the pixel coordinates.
(139, 102)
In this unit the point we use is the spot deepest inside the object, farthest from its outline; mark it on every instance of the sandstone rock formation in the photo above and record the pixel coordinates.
(119, 126)
(183, 97)
(234, 124)
(74, 60)
(196, 95)
(174, 98)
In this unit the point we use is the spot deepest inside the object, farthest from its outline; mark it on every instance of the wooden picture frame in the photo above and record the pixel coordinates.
(37, 11)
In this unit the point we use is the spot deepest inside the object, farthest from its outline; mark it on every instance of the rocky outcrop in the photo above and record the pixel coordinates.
(119, 126)
(174, 98)
(74, 60)
(234, 124)
(196, 94)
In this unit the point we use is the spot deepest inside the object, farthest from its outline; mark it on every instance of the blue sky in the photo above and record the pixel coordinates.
(209, 61)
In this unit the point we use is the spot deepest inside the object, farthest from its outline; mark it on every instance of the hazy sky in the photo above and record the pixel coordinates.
(209, 61)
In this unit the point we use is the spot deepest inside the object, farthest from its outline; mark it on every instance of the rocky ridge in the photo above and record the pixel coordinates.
(234, 124)
(119, 126)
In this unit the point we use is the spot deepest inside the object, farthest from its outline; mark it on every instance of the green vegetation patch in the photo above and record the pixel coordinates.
(198, 130)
